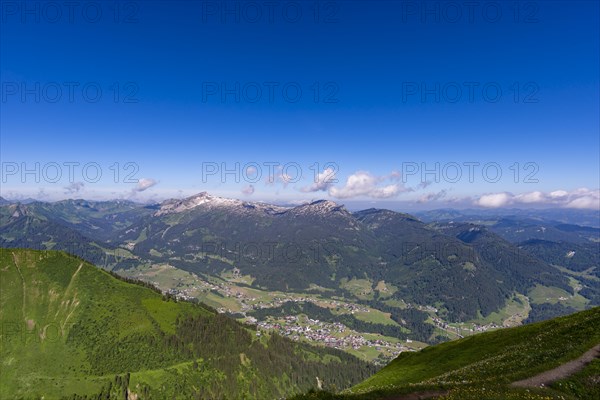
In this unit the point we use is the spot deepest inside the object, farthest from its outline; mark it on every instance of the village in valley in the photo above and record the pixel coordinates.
(231, 293)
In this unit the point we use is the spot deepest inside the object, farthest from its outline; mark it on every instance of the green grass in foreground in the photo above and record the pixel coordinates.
(482, 366)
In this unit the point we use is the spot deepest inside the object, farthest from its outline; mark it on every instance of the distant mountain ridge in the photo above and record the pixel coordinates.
(581, 217)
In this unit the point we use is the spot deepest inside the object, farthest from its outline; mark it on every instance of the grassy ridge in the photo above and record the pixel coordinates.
(501, 356)
(68, 328)
(492, 360)
(63, 319)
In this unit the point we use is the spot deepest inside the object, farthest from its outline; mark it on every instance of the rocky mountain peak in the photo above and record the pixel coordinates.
(320, 207)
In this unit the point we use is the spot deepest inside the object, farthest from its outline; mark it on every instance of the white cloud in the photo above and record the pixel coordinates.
(323, 182)
(579, 198)
(279, 177)
(387, 191)
(144, 184)
(532, 197)
(248, 190)
(363, 183)
(395, 176)
(584, 198)
(557, 194)
(74, 187)
(285, 179)
(494, 200)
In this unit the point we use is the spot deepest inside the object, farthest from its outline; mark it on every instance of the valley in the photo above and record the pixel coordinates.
(373, 283)
(240, 302)
(317, 281)
(231, 294)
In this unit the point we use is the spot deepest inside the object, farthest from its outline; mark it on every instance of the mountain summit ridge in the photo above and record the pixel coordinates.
(205, 199)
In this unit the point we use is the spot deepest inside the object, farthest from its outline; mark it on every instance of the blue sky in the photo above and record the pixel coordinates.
(363, 91)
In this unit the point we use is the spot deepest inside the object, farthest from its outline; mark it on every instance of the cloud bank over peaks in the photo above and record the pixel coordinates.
(578, 198)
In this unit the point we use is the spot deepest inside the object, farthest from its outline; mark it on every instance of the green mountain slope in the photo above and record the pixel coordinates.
(489, 361)
(68, 328)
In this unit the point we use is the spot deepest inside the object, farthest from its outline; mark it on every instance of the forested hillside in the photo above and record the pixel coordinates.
(68, 328)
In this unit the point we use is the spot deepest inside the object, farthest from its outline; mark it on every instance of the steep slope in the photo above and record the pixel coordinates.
(69, 327)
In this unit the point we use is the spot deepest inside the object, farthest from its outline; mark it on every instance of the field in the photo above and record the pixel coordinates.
(543, 294)
(516, 310)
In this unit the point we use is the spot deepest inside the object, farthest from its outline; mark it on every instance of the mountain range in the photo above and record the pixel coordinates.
(461, 269)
